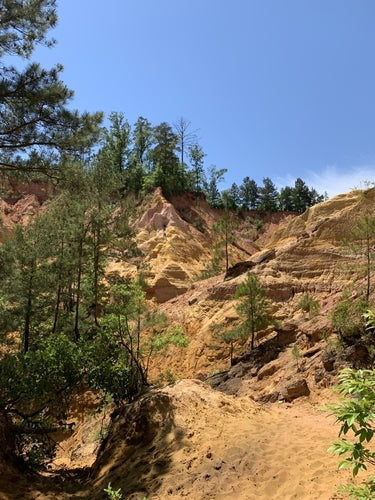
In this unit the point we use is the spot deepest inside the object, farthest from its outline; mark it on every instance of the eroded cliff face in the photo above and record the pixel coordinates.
(176, 239)
(291, 257)
(290, 254)
(19, 212)
(174, 250)
(308, 250)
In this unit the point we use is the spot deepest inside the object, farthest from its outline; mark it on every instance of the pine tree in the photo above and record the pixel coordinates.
(37, 130)
(249, 194)
(268, 196)
(24, 281)
(196, 156)
(224, 231)
(253, 307)
(286, 199)
(211, 186)
(167, 172)
(361, 242)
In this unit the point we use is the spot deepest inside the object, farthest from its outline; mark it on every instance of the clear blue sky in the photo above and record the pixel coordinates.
(277, 88)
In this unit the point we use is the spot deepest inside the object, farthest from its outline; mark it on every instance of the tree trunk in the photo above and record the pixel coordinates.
(26, 331)
(78, 293)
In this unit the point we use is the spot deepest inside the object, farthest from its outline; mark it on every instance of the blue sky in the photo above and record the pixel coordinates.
(277, 88)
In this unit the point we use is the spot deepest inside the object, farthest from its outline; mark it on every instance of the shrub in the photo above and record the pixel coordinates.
(309, 305)
(355, 412)
(347, 317)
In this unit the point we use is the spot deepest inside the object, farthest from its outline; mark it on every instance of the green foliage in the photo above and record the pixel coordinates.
(347, 317)
(224, 231)
(24, 25)
(253, 307)
(29, 380)
(113, 494)
(355, 412)
(309, 305)
(252, 226)
(35, 389)
(166, 171)
(268, 196)
(117, 141)
(196, 156)
(299, 197)
(297, 355)
(211, 188)
(249, 194)
(107, 367)
(233, 338)
(369, 317)
(160, 343)
(361, 242)
(37, 129)
(167, 377)
(128, 337)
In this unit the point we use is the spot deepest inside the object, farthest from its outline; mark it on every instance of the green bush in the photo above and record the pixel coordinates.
(355, 412)
(113, 494)
(309, 305)
(347, 317)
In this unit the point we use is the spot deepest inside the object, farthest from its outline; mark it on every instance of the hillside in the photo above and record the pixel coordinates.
(251, 430)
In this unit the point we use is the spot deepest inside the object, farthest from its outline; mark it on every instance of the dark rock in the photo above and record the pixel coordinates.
(238, 370)
(357, 354)
(328, 360)
(217, 379)
(269, 398)
(319, 375)
(295, 389)
(268, 369)
(238, 269)
(230, 386)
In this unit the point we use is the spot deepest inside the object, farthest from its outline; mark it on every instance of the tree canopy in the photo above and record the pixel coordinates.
(37, 129)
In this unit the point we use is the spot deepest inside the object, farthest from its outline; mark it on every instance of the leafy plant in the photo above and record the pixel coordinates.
(168, 376)
(309, 305)
(347, 317)
(224, 231)
(361, 242)
(113, 494)
(356, 413)
(252, 225)
(199, 224)
(233, 338)
(35, 388)
(297, 356)
(253, 307)
(128, 338)
(369, 317)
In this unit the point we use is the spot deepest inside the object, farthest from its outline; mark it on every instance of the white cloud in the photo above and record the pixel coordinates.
(334, 180)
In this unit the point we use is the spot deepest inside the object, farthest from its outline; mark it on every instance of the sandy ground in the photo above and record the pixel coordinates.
(200, 444)
(226, 448)
(246, 452)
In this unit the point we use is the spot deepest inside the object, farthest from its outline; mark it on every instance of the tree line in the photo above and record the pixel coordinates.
(169, 156)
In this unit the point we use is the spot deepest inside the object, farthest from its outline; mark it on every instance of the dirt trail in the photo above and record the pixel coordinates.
(200, 444)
